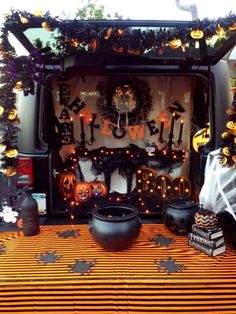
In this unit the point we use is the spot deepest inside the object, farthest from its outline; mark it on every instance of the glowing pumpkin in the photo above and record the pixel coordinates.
(12, 114)
(197, 34)
(231, 125)
(66, 184)
(47, 26)
(98, 188)
(11, 153)
(82, 192)
(232, 27)
(175, 43)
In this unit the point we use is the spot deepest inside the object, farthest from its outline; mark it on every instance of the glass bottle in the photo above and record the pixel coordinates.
(29, 212)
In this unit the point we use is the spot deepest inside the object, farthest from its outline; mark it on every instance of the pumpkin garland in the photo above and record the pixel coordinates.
(228, 149)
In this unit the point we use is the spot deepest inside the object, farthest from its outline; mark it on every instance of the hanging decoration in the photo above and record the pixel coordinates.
(201, 138)
(75, 35)
(124, 101)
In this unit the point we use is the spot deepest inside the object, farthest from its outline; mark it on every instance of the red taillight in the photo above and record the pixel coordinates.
(25, 172)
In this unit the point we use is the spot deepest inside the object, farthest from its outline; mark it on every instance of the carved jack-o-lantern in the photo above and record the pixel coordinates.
(231, 125)
(11, 153)
(175, 43)
(197, 34)
(66, 184)
(12, 114)
(82, 192)
(98, 188)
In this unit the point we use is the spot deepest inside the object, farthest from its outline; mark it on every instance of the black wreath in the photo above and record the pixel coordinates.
(139, 88)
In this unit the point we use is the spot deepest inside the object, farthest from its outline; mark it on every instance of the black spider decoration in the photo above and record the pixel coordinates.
(82, 267)
(169, 265)
(47, 257)
(2, 249)
(162, 240)
(68, 233)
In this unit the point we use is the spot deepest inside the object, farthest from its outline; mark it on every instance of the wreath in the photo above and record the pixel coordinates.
(124, 100)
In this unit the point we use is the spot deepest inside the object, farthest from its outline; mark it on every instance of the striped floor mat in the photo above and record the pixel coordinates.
(61, 270)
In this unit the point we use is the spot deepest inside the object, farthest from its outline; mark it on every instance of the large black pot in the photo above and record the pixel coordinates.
(115, 227)
(179, 215)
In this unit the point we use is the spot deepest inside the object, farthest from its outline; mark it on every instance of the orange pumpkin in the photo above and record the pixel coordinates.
(82, 192)
(197, 34)
(98, 188)
(66, 184)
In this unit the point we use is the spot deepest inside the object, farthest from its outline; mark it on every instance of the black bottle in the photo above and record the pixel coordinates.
(29, 212)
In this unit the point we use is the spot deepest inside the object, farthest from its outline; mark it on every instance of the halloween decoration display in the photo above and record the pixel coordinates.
(228, 149)
(128, 160)
(82, 192)
(29, 214)
(179, 215)
(66, 182)
(115, 227)
(205, 219)
(98, 188)
(201, 138)
(72, 36)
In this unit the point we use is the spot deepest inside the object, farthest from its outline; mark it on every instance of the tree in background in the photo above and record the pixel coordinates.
(91, 11)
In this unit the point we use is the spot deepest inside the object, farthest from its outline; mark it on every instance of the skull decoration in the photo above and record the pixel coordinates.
(66, 184)
(98, 188)
(82, 192)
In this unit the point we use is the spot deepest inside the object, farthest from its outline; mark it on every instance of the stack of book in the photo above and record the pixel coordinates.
(208, 240)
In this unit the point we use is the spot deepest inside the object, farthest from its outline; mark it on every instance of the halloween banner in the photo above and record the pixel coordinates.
(130, 109)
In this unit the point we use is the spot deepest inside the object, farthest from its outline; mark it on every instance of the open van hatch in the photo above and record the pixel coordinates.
(83, 60)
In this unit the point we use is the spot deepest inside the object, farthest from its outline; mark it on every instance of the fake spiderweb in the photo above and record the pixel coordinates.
(218, 191)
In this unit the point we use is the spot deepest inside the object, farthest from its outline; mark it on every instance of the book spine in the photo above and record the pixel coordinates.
(202, 240)
(202, 233)
(201, 247)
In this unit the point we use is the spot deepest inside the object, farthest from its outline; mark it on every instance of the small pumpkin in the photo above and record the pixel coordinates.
(66, 184)
(197, 34)
(175, 43)
(98, 188)
(82, 192)
(11, 153)
(231, 125)
(12, 114)
(47, 26)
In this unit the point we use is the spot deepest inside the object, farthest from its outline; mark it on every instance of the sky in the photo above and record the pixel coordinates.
(133, 9)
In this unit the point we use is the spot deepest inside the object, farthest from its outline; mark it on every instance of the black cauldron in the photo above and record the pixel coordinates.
(179, 215)
(115, 227)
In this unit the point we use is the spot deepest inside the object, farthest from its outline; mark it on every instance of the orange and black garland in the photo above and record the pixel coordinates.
(228, 149)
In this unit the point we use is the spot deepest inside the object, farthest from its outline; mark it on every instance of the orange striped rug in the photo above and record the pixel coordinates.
(131, 281)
